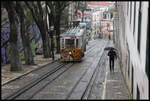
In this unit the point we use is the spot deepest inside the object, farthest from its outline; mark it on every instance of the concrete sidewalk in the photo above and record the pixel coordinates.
(8, 76)
(114, 85)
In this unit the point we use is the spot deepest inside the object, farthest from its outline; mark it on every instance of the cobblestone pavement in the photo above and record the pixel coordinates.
(115, 87)
(73, 83)
(8, 76)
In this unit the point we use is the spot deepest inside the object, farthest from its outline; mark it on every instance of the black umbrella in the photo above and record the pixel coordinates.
(109, 48)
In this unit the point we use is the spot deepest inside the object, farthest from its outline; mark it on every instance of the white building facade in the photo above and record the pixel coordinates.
(97, 15)
(99, 10)
(132, 39)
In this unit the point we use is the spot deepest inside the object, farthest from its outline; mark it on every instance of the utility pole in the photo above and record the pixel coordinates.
(100, 29)
(113, 32)
(52, 42)
(48, 11)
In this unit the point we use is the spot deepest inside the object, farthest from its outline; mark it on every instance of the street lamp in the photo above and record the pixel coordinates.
(50, 30)
(52, 43)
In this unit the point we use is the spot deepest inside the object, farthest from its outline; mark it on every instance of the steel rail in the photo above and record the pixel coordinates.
(41, 67)
(52, 79)
(92, 79)
(33, 83)
(87, 87)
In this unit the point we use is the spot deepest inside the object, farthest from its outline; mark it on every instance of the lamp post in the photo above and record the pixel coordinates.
(52, 43)
(51, 31)
(113, 31)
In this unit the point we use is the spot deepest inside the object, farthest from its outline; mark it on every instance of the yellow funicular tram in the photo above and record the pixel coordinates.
(73, 44)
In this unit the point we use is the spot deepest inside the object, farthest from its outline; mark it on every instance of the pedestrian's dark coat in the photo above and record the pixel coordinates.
(112, 54)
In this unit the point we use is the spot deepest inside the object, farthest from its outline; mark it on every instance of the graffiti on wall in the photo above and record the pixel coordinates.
(35, 40)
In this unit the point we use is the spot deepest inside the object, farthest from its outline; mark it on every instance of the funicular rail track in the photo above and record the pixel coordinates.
(50, 75)
(33, 88)
(91, 47)
(35, 70)
(87, 93)
(88, 90)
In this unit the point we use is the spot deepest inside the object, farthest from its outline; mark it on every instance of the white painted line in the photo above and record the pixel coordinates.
(104, 89)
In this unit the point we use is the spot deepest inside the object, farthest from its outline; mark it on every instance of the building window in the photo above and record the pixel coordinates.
(138, 93)
(139, 27)
(130, 12)
(147, 48)
(134, 17)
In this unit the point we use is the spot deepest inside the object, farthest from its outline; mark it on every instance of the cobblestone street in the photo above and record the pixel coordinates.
(84, 50)
(90, 79)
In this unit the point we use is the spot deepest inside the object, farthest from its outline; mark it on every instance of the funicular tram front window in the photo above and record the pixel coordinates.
(69, 43)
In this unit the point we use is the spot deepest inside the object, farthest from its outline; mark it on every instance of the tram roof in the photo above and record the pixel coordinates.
(73, 32)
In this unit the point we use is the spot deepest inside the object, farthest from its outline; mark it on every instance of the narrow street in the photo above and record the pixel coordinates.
(81, 80)
(82, 50)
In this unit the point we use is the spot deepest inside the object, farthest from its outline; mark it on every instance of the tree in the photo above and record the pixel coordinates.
(57, 8)
(38, 15)
(24, 34)
(14, 53)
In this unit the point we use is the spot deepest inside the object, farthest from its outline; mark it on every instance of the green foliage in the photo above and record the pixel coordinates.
(29, 19)
(32, 45)
(16, 69)
(111, 10)
(63, 11)
(22, 55)
(131, 97)
(55, 41)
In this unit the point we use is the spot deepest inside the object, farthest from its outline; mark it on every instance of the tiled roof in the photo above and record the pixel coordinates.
(99, 3)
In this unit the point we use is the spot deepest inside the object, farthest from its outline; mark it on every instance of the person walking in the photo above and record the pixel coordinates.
(112, 55)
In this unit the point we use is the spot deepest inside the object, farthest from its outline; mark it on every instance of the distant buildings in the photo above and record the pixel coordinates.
(97, 15)
(102, 14)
